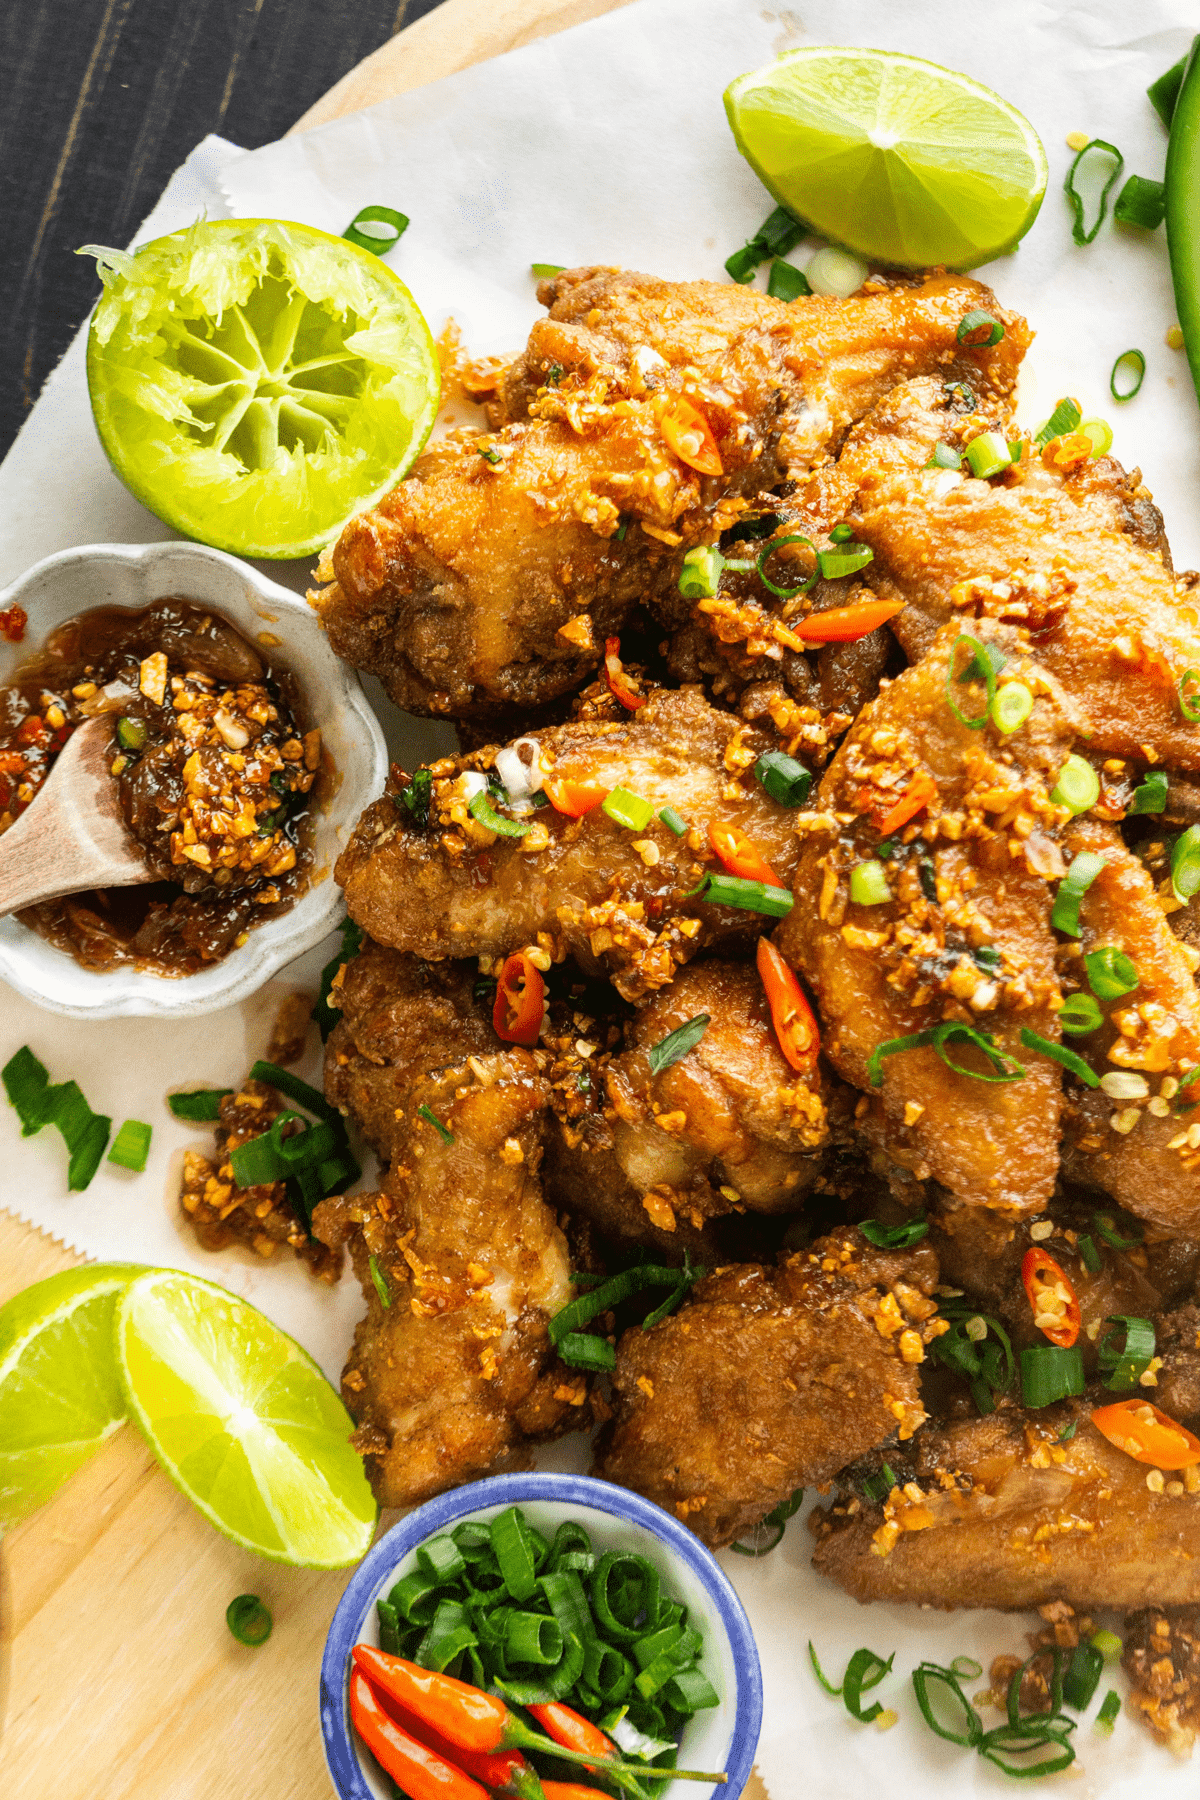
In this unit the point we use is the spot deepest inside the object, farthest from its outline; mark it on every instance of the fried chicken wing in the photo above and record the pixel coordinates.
(1067, 556)
(768, 1380)
(494, 572)
(963, 939)
(455, 1373)
(1003, 1512)
(620, 901)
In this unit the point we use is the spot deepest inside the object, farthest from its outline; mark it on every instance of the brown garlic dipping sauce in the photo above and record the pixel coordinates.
(216, 769)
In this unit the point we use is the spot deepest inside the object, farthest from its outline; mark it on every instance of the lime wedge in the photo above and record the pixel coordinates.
(903, 161)
(60, 1394)
(255, 383)
(243, 1421)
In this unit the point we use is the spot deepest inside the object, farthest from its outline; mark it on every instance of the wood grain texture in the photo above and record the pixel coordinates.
(118, 1677)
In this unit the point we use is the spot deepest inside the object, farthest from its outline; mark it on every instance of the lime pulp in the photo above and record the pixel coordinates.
(898, 159)
(243, 1421)
(256, 382)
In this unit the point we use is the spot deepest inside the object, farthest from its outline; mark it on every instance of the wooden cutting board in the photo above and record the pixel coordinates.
(118, 1677)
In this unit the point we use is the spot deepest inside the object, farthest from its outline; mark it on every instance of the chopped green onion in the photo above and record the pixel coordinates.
(1078, 785)
(1123, 1366)
(325, 1014)
(415, 798)
(200, 1104)
(966, 1668)
(1185, 863)
(1141, 202)
(1050, 1372)
(1163, 93)
(514, 1552)
(38, 1103)
(1016, 449)
(627, 809)
(447, 1637)
(784, 282)
(533, 1638)
(1189, 696)
(972, 323)
(865, 1670)
(1018, 1740)
(1074, 885)
(131, 1146)
(988, 454)
(1079, 1014)
(1108, 1644)
(1089, 1256)
(768, 550)
(1130, 364)
(1060, 1054)
(677, 1043)
(377, 229)
(1098, 433)
(927, 876)
(1110, 1706)
(988, 957)
(868, 884)
(700, 574)
(1078, 232)
(427, 1113)
(612, 1292)
(894, 1237)
(776, 236)
(1082, 1676)
(1110, 973)
(131, 734)
(970, 1732)
(1151, 797)
(750, 896)
(544, 271)
(773, 1526)
(783, 778)
(380, 1281)
(248, 1620)
(945, 456)
(936, 1037)
(741, 265)
(690, 1692)
(624, 1591)
(299, 1092)
(673, 821)
(484, 813)
(1011, 707)
(833, 564)
(980, 668)
(1065, 418)
(841, 533)
(1105, 1229)
(969, 1350)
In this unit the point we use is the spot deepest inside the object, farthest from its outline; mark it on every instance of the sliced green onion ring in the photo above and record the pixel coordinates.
(945, 456)
(1051, 1372)
(1143, 202)
(749, 896)
(1185, 863)
(936, 1037)
(1130, 363)
(971, 1728)
(988, 454)
(768, 550)
(700, 573)
(1110, 973)
(1065, 418)
(1110, 1706)
(869, 884)
(1084, 869)
(379, 1281)
(1078, 785)
(627, 809)
(980, 668)
(1098, 433)
(1080, 1014)
(583, 1350)
(1078, 231)
(1125, 1363)
(248, 1620)
(1011, 707)
(131, 1146)
(1151, 796)
(1089, 1256)
(1188, 689)
(786, 781)
(974, 322)
(1060, 1054)
(846, 559)
(377, 229)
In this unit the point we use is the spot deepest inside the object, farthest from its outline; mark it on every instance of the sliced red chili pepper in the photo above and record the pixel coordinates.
(520, 1001)
(915, 798)
(689, 435)
(618, 680)
(1147, 1434)
(12, 763)
(421, 1774)
(845, 624)
(1051, 1295)
(574, 798)
(791, 1015)
(32, 730)
(740, 856)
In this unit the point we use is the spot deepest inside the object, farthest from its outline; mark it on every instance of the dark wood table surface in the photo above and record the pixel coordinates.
(101, 100)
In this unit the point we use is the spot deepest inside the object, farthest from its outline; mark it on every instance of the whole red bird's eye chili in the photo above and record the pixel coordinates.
(421, 1774)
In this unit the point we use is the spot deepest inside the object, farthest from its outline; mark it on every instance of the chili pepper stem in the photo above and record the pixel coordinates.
(519, 1737)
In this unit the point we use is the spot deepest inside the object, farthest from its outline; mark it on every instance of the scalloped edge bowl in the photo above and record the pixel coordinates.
(71, 582)
(724, 1737)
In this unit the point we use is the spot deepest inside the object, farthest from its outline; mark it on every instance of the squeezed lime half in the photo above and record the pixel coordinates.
(243, 1421)
(901, 160)
(255, 382)
(60, 1394)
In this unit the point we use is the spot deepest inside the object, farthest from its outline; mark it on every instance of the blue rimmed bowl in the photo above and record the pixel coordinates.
(722, 1737)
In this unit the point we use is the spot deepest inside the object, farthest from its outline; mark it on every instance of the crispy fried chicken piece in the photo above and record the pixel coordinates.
(493, 574)
(729, 1127)
(770, 1379)
(456, 1373)
(619, 901)
(964, 883)
(1162, 1661)
(1143, 1160)
(402, 1019)
(1064, 556)
(1001, 1513)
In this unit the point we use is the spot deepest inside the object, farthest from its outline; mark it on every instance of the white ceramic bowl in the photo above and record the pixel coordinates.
(130, 575)
(723, 1737)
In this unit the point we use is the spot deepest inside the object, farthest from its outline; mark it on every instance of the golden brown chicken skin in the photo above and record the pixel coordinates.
(770, 1379)
(493, 574)
(455, 1374)
(620, 901)
(963, 939)
(1002, 1512)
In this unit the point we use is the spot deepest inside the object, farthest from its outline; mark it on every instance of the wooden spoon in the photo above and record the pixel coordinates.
(73, 837)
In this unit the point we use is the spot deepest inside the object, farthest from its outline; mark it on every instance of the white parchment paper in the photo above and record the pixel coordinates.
(608, 144)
